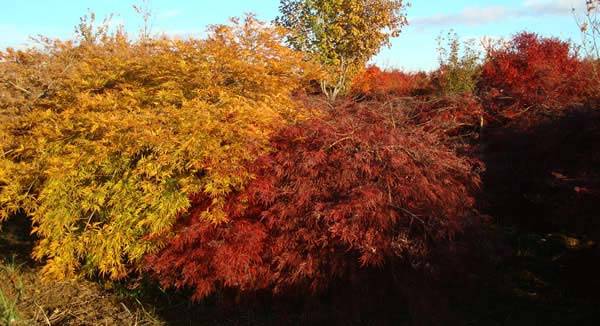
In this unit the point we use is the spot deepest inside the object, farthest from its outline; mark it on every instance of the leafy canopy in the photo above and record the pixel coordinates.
(342, 34)
(531, 75)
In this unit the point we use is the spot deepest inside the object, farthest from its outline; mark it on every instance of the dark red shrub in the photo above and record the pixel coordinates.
(531, 75)
(361, 187)
(204, 254)
(374, 83)
(451, 117)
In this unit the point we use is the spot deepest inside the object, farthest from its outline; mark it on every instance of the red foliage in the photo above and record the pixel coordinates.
(360, 187)
(531, 74)
(450, 117)
(374, 83)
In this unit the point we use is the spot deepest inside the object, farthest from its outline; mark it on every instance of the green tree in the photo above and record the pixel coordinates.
(460, 64)
(341, 34)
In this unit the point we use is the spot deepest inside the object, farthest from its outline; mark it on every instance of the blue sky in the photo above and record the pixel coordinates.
(415, 49)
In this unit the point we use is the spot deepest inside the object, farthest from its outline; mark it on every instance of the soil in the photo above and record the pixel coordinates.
(73, 302)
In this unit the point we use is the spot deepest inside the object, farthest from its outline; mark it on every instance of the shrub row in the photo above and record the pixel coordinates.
(190, 160)
(526, 78)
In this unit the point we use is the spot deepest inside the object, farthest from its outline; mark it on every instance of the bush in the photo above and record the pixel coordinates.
(359, 188)
(374, 83)
(457, 120)
(531, 74)
(459, 68)
(104, 139)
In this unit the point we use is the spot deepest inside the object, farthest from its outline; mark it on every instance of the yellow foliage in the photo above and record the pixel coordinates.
(341, 34)
(103, 141)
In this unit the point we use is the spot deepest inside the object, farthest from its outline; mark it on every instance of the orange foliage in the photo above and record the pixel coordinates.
(374, 83)
(103, 139)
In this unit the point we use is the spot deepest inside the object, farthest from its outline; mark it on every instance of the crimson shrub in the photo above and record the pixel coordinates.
(529, 75)
(360, 187)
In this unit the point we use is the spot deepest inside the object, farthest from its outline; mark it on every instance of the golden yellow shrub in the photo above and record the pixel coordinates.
(104, 140)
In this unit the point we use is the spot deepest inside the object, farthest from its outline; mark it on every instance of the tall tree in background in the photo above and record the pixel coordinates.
(460, 64)
(589, 24)
(341, 34)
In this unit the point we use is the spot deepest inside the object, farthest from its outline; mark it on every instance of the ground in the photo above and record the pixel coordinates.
(545, 279)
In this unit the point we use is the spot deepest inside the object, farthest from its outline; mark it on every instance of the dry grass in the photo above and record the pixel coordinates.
(26, 299)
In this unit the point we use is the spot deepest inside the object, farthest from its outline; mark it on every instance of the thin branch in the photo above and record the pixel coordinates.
(20, 88)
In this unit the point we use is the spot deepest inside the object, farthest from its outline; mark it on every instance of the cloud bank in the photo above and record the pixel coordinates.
(490, 14)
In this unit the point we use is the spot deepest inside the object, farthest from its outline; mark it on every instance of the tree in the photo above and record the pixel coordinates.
(341, 34)
(589, 24)
(459, 69)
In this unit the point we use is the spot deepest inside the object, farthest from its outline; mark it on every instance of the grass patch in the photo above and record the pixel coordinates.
(8, 310)
(10, 271)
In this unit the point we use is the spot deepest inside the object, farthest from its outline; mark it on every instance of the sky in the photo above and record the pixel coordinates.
(414, 49)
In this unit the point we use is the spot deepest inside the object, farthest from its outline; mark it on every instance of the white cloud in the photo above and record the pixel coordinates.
(553, 7)
(490, 14)
(469, 16)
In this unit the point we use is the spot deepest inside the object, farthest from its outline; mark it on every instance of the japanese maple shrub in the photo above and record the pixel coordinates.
(360, 187)
(530, 74)
(104, 139)
(374, 83)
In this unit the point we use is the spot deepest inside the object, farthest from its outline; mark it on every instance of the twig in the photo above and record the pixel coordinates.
(87, 224)
(20, 88)
(127, 309)
(339, 141)
(413, 215)
(43, 313)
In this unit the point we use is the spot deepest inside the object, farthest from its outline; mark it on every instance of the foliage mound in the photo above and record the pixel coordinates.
(373, 83)
(103, 140)
(531, 75)
(456, 119)
(360, 187)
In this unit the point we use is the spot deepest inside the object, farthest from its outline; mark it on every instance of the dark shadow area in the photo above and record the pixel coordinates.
(546, 177)
(542, 186)
(16, 240)
(371, 299)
